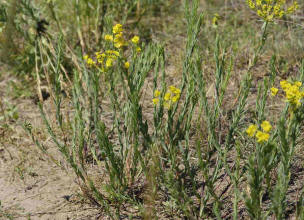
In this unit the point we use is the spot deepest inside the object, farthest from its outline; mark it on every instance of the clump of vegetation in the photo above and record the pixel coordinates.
(139, 144)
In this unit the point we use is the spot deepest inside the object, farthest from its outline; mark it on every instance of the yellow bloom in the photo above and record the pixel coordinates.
(112, 52)
(156, 93)
(119, 41)
(127, 65)
(167, 96)
(100, 55)
(251, 130)
(284, 84)
(118, 37)
(138, 49)
(155, 101)
(117, 29)
(119, 45)
(108, 37)
(174, 90)
(175, 98)
(215, 20)
(293, 8)
(281, 13)
(266, 126)
(88, 60)
(269, 10)
(177, 91)
(109, 62)
(293, 94)
(251, 4)
(274, 91)
(135, 39)
(258, 2)
(298, 84)
(100, 58)
(261, 136)
(171, 96)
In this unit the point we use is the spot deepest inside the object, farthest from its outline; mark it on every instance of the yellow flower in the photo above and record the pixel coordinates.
(269, 10)
(155, 101)
(177, 91)
(117, 29)
(215, 20)
(119, 41)
(112, 52)
(251, 4)
(298, 84)
(138, 49)
(167, 96)
(119, 45)
(171, 96)
(293, 8)
(90, 61)
(156, 93)
(109, 62)
(135, 39)
(258, 2)
(127, 65)
(293, 94)
(260, 13)
(174, 90)
(266, 126)
(281, 13)
(100, 57)
(175, 98)
(261, 136)
(284, 84)
(251, 130)
(108, 37)
(274, 91)
(118, 37)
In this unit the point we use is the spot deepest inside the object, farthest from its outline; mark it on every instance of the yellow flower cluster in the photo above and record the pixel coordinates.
(274, 91)
(105, 60)
(135, 39)
(171, 96)
(293, 93)
(271, 9)
(127, 65)
(118, 39)
(261, 136)
(215, 20)
(89, 60)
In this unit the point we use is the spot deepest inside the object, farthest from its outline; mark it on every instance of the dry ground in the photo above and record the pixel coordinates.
(31, 185)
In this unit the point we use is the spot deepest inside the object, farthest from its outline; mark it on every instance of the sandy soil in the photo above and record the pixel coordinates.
(31, 185)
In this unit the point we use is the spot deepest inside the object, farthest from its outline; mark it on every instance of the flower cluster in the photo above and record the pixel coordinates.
(118, 39)
(215, 20)
(261, 136)
(171, 96)
(268, 10)
(293, 92)
(105, 60)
